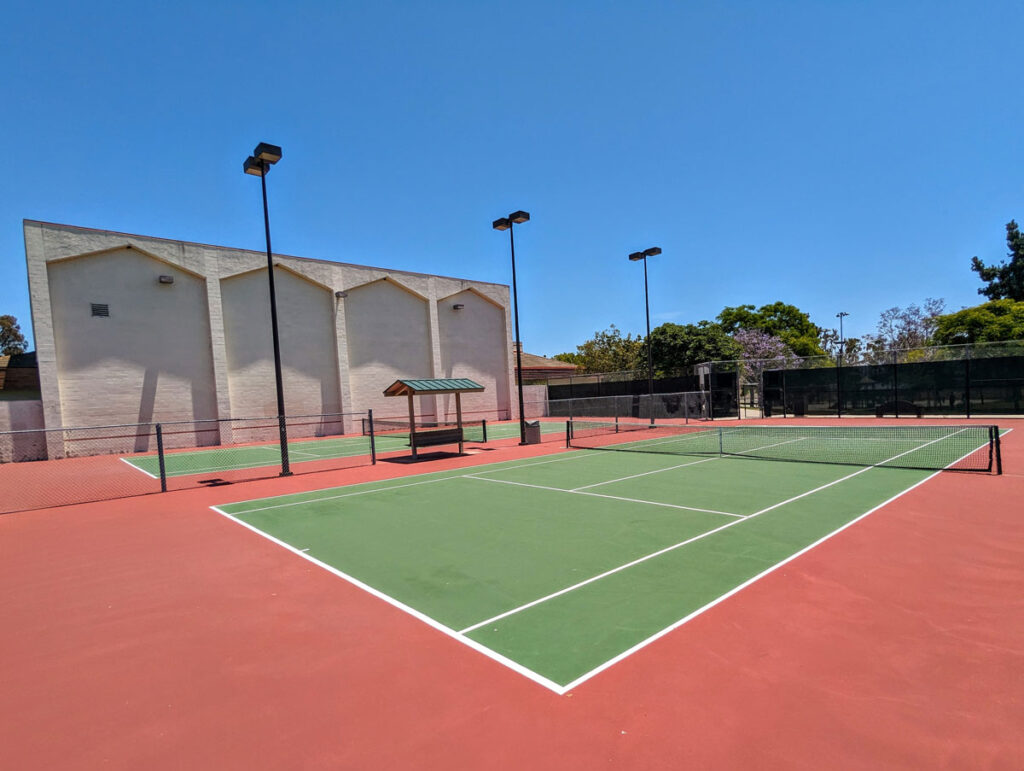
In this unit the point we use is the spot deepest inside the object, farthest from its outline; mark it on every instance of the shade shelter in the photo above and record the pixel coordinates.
(425, 437)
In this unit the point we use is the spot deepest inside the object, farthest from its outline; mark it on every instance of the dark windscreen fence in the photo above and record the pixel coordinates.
(997, 385)
(930, 448)
(636, 384)
(682, 406)
(799, 392)
(962, 387)
(866, 390)
(725, 395)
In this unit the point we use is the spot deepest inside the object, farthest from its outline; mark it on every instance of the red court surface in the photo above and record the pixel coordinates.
(151, 633)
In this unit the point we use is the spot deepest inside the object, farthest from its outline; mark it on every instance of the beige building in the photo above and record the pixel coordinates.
(136, 329)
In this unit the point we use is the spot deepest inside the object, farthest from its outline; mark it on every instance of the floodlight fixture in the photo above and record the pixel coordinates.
(519, 217)
(501, 224)
(166, 279)
(458, 306)
(253, 166)
(267, 152)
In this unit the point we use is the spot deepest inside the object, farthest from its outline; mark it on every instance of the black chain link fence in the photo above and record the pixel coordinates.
(52, 467)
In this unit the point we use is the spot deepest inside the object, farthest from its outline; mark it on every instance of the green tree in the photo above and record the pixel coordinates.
(674, 346)
(1005, 280)
(989, 322)
(569, 358)
(786, 322)
(607, 351)
(11, 339)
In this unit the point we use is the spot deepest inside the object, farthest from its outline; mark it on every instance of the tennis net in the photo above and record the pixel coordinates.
(472, 430)
(963, 448)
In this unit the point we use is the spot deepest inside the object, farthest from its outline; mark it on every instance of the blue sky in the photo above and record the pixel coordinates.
(834, 155)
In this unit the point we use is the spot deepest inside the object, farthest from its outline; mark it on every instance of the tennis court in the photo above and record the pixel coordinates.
(561, 566)
(218, 459)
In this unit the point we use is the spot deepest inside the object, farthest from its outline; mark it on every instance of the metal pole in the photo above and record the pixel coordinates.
(967, 383)
(285, 467)
(839, 387)
(839, 367)
(373, 439)
(650, 361)
(519, 343)
(895, 385)
(160, 457)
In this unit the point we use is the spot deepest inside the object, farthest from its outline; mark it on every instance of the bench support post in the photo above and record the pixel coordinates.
(458, 417)
(412, 427)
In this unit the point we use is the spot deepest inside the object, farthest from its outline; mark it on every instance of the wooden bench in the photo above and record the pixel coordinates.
(432, 437)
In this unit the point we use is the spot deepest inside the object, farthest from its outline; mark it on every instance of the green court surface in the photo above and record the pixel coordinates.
(218, 459)
(559, 566)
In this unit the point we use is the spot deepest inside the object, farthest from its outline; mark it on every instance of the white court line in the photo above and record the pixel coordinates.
(575, 456)
(646, 473)
(214, 469)
(433, 623)
(138, 468)
(602, 495)
(667, 549)
(774, 444)
(292, 453)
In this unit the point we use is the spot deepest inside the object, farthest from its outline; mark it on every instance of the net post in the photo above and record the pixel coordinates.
(721, 444)
(483, 425)
(997, 448)
(373, 443)
(568, 433)
(160, 457)
(616, 424)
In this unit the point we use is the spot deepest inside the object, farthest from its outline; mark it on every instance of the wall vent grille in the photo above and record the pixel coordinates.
(100, 309)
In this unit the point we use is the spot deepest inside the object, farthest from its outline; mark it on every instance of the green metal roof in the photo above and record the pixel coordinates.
(448, 385)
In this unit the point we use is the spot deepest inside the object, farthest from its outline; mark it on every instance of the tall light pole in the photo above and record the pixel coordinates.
(506, 223)
(841, 315)
(839, 369)
(258, 164)
(652, 252)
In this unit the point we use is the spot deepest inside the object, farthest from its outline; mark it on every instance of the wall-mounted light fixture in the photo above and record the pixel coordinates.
(340, 294)
(166, 279)
(458, 306)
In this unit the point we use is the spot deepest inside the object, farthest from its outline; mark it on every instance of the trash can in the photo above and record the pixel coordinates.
(533, 432)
